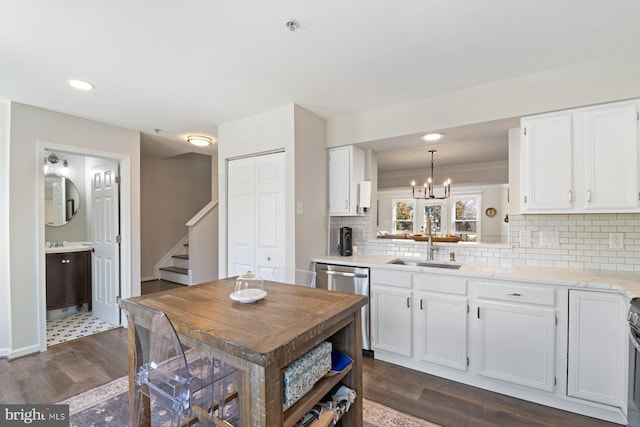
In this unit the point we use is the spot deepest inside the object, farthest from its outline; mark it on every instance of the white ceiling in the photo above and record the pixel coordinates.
(187, 66)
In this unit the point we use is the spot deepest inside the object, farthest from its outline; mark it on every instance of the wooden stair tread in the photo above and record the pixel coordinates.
(178, 270)
(183, 256)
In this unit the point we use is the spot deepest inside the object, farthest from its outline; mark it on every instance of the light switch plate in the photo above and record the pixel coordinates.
(525, 238)
(616, 241)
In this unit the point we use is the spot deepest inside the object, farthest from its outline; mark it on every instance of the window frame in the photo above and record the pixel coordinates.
(452, 209)
(394, 220)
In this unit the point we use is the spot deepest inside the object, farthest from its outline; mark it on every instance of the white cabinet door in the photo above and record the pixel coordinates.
(391, 319)
(597, 347)
(441, 331)
(517, 344)
(611, 157)
(255, 214)
(346, 171)
(547, 167)
(339, 180)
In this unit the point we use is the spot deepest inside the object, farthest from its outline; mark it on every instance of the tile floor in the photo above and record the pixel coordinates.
(74, 326)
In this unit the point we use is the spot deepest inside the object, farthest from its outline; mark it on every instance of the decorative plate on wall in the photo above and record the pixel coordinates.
(490, 211)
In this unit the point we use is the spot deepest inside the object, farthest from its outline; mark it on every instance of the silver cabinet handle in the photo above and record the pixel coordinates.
(346, 204)
(589, 196)
(514, 294)
(570, 196)
(525, 199)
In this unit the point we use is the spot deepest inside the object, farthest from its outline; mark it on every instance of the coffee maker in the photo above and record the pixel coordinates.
(345, 247)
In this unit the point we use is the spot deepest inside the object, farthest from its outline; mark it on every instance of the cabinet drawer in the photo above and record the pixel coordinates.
(517, 293)
(438, 283)
(400, 279)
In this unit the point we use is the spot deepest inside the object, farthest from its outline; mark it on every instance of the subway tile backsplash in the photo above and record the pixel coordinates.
(568, 240)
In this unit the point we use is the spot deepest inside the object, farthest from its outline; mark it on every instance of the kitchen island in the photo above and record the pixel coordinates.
(262, 338)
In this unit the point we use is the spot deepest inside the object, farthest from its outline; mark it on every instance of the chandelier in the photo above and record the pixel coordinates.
(426, 192)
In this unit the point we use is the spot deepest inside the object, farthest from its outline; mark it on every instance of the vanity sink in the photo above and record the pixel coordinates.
(432, 264)
(69, 247)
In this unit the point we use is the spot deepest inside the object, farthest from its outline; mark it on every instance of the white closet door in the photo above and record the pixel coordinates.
(240, 222)
(270, 214)
(255, 215)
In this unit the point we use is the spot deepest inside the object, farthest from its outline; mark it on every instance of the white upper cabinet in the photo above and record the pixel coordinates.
(582, 160)
(611, 157)
(547, 167)
(346, 171)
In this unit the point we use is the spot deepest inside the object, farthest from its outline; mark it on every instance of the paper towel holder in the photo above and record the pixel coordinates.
(364, 198)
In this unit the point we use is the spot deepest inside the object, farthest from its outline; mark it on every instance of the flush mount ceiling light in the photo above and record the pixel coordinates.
(432, 137)
(199, 140)
(80, 84)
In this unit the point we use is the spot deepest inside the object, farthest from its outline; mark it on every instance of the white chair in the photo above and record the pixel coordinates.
(294, 276)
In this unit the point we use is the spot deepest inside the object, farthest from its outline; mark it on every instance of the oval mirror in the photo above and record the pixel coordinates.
(61, 200)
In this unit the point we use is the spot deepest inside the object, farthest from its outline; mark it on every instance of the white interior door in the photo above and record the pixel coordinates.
(240, 224)
(105, 232)
(256, 220)
(270, 215)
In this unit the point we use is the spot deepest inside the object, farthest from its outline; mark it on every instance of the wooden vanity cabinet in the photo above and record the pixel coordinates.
(68, 279)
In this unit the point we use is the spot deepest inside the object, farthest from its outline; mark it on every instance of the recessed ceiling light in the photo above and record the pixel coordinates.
(431, 137)
(199, 140)
(80, 84)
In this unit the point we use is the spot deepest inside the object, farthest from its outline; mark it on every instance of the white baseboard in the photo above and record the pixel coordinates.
(24, 351)
(148, 279)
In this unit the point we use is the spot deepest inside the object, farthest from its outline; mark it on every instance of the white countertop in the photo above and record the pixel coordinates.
(627, 283)
(69, 247)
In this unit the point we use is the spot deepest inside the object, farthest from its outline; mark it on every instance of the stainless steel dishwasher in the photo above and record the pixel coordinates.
(351, 280)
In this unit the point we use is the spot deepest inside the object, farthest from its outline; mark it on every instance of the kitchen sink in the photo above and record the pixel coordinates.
(433, 264)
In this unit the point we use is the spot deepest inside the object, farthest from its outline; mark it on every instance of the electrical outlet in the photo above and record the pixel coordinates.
(549, 239)
(525, 238)
(616, 241)
(299, 208)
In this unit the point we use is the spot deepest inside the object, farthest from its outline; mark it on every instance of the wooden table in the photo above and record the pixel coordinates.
(262, 338)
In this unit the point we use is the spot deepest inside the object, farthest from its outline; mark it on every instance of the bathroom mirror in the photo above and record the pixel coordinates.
(61, 200)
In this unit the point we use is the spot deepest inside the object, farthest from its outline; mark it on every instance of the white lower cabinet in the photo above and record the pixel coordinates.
(441, 329)
(391, 298)
(597, 347)
(516, 333)
(544, 343)
(517, 344)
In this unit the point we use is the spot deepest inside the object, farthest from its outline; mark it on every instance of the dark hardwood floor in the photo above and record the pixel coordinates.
(70, 368)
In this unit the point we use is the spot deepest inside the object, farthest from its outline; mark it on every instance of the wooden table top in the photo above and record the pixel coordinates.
(269, 330)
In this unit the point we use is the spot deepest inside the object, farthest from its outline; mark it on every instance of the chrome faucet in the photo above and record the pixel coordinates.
(432, 248)
(55, 244)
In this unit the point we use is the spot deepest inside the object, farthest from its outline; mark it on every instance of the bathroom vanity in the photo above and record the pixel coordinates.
(68, 277)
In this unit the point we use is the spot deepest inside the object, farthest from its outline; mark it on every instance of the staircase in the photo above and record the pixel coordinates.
(178, 271)
(195, 258)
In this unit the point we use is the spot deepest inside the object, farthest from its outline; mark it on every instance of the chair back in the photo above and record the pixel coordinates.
(161, 369)
(294, 276)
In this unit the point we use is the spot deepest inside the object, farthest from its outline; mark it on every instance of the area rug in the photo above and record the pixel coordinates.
(108, 405)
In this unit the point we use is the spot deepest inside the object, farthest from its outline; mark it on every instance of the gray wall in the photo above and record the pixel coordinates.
(172, 191)
(31, 131)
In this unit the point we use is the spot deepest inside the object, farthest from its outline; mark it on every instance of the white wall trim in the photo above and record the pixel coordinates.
(24, 351)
